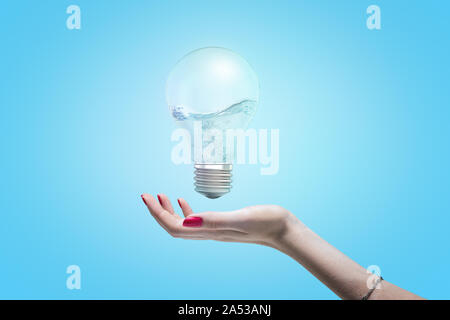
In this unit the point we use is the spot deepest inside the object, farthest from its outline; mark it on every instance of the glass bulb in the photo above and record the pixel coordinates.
(216, 89)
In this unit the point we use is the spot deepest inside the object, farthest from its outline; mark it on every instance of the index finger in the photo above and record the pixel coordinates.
(167, 220)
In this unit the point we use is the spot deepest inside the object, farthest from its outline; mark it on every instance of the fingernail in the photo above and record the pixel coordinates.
(143, 199)
(179, 202)
(193, 222)
(159, 199)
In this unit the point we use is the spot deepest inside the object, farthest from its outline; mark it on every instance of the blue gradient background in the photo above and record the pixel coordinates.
(364, 135)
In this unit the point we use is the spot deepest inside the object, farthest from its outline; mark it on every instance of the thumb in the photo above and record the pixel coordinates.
(214, 220)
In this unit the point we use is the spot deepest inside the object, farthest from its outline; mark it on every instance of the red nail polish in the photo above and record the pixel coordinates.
(159, 199)
(179, 203)
(143, 199)
(193, 222)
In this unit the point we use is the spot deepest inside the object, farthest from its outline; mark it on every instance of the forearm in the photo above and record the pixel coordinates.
(338, 272)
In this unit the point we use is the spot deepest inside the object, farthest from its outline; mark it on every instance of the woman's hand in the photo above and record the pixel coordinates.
(264, 224)
(276, 227)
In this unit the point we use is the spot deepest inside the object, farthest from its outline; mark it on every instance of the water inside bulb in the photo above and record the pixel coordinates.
(236, 116)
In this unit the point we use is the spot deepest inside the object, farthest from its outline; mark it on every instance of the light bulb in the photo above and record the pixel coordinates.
(216, 89)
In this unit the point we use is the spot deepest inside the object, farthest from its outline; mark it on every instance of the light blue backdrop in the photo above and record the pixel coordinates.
(364, 137)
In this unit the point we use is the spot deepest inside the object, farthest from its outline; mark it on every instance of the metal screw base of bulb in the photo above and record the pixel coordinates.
(212, 180)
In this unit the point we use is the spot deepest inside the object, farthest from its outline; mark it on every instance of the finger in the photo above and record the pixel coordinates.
(165, 203)
(216, 220)
(212, 225)
(185, 207)
(167, 220)
(143, 196)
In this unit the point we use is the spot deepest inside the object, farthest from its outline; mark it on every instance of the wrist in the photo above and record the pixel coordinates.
(290, 232)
